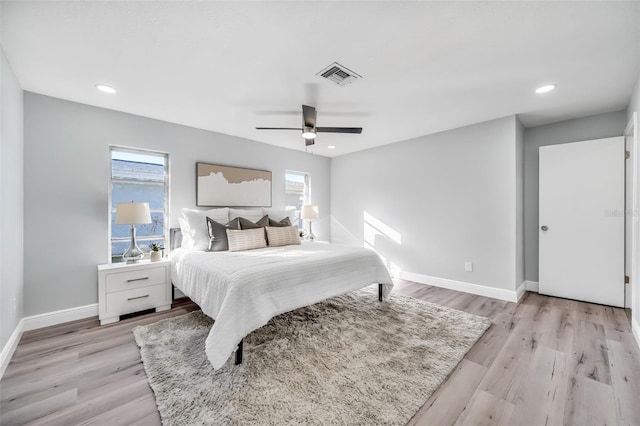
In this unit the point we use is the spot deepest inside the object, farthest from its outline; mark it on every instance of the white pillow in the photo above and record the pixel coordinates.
(278, 214)
(246, 239)
(253, 215)
(187, 241)
(195, 226)
(282, 235)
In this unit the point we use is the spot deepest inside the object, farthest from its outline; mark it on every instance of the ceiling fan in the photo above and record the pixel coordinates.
(309, 128)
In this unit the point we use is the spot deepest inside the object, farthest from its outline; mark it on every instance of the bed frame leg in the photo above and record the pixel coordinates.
(239, 353)
(380, 292)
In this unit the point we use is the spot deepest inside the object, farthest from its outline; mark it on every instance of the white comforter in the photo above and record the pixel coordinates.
(243, 290)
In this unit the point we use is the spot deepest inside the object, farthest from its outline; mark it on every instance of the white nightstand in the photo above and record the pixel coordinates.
(127, 288)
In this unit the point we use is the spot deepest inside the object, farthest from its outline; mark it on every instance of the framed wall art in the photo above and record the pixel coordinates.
(226, 186)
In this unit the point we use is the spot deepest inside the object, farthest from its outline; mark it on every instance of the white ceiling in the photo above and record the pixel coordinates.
(426, 66)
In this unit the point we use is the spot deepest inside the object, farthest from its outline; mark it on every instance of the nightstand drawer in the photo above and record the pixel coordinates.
(134, 279)
(137, 299)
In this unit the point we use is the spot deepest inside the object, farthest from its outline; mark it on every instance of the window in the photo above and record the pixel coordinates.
(140, 176)
(297, 192)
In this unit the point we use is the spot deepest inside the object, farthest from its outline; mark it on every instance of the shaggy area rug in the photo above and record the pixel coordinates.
(345, 361)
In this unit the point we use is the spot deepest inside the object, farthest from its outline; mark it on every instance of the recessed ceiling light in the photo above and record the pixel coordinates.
(331, 147)
(105, 88)
(546, 89)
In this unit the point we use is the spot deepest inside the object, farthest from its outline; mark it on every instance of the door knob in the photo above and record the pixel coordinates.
(544, 227)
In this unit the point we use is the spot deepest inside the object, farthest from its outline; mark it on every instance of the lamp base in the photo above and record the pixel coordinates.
(311, 238)
(133, 253)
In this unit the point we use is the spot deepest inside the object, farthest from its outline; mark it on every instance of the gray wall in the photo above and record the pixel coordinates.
(579, 129)
(11, 200)
(66, 187)
(519, 171)
(450, 196)
(634, 102)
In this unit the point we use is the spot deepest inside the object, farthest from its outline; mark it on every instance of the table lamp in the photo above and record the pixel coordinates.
(309, 212)
(132, 214)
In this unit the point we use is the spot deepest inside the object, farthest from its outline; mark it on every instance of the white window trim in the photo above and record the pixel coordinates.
(307, 189)
(167, 193)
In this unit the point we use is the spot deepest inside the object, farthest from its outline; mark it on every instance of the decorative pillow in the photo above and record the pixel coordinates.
(246, 239)
(277, 214)
(218, 234)
(253, 215)
(282, 235)
(195, 226)
(247, 224)
(281, 223)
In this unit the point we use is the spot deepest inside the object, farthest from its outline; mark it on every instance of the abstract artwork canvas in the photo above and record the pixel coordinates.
(226, 186)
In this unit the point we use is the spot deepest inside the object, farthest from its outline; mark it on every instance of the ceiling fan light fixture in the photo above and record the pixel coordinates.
(308, 132)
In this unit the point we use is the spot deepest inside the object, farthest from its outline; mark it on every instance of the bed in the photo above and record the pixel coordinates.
(243, 290)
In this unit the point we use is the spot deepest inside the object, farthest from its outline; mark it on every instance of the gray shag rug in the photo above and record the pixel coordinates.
(349, 360)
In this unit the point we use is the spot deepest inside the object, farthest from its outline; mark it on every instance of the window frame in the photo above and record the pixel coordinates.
(306, 194)
(167, 195)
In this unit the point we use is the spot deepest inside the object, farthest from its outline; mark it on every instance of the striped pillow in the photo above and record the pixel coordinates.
(282, 235)
(246, 239)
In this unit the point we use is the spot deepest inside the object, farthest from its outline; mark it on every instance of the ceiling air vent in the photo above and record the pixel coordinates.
(339, 74)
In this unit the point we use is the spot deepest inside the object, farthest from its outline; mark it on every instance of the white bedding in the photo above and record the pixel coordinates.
(243, 290)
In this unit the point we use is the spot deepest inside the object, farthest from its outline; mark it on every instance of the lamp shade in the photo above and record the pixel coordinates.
(132, 213)
(309, 212)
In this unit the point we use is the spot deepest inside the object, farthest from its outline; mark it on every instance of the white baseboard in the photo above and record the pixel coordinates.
(521, 290)
(532, 286)
(635, 329)
(58, 317)
(10, 347)
(495, 293)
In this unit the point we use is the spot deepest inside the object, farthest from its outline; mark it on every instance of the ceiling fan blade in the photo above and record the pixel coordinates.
(279, 128)
(309, 116)
(357, 130)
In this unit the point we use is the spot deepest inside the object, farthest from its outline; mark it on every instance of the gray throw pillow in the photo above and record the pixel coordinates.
(247, 224)
(283, 222)
(218, 234)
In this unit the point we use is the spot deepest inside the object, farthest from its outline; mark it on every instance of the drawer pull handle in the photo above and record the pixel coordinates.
(137, 279)
(139, 297)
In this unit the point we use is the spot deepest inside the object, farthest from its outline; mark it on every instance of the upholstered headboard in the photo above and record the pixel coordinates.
(175, 238)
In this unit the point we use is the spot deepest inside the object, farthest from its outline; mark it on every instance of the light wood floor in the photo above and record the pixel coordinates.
(546, 361)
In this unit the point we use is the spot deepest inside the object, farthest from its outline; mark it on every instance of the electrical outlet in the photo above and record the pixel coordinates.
(468, 266)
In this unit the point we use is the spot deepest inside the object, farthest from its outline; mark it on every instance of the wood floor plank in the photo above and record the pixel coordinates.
(591, 352)
(557, 328)
(508, 372)
(132, 412)
(448, 402)
(625, 378)
(83, 373)
(485, 409)
(485, 351)
(38, 405)
(85, 411)
(542, 400)
(590, 402)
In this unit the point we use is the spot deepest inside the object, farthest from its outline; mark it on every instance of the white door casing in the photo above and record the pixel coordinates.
(582, 207)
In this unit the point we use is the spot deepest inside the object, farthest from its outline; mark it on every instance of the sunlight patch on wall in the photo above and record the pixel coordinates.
(379, 237)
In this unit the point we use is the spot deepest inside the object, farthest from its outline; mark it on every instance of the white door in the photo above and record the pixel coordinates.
(581, 229)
